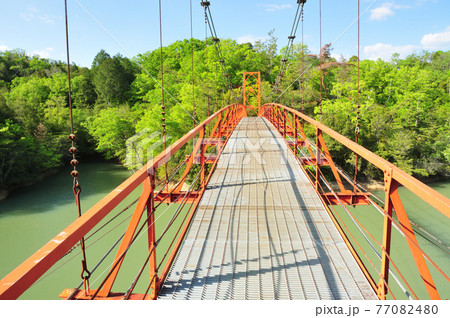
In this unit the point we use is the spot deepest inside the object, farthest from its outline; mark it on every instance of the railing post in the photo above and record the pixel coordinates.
(224, 124)
(233, 118)
(233, 115)
(278, 119)
(318, 137)
(273, 115)
(295, 135)
(151, 237)
(284, 123)
(219, 132)
(202, 159)
(389, 186)
(275, 118)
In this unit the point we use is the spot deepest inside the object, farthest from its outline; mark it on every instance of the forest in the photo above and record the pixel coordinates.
(404, 114)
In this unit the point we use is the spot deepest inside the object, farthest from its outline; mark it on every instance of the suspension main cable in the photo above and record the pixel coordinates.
(207, 60)
(303, 65)
(358, 106)
(163, 106)
(320, 59)
(216, 40)
(284, 67)
(192, 57)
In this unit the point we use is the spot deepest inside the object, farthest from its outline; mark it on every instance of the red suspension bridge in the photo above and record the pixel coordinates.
(259, 210)
(257, 222)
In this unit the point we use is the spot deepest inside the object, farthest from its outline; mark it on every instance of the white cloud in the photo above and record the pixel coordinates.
(381, 13)
(27, 16)
(32, 14)
(45, 53)
(385, 51)
(47, 19)
(385, 10)
(275, 7)
(437, 41)
(251, 39)
(4, 48)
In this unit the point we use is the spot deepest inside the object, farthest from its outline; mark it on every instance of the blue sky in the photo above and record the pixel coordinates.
(132, 27)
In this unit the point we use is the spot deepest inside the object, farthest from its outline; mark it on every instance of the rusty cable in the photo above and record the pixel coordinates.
(163, 113)
(283, 65)
(192, 58)
(303, 65)
(358, 107)
(207, 60)
(85, 274)
(216, 40)
(320, 59)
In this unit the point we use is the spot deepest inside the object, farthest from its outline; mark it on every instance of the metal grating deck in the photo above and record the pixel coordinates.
(261, 231)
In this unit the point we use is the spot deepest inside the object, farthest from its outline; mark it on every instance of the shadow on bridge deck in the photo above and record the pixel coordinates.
(261, 231)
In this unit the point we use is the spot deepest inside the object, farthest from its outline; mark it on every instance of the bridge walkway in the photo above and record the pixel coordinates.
(261, 231)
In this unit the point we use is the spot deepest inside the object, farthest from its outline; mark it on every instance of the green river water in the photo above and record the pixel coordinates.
(29, 218)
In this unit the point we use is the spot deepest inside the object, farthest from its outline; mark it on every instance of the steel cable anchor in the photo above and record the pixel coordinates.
(85, 273)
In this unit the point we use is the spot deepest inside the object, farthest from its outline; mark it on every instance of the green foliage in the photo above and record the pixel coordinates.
(111, 127)
(112, 78)
(23, 157)
(405, 103)
(405, 108)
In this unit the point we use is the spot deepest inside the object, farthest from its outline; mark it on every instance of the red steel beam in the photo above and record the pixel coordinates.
(172, 197)
(81, 295)
(127, 239)
(346, 198)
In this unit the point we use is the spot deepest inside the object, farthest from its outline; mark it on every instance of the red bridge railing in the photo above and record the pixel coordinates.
(315, 157)
(198, 167)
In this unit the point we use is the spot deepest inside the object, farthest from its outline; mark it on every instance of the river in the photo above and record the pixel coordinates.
(29, 218)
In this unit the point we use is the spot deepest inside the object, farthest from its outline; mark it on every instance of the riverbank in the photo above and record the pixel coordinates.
(6, 192)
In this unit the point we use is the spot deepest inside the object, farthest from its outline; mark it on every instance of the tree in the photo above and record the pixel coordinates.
(111, 127)
(112, 78)
(100, 58)
(83, 92)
